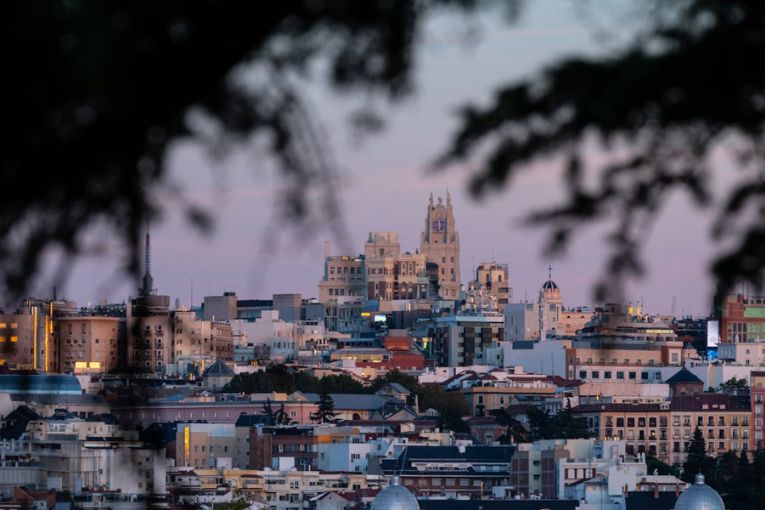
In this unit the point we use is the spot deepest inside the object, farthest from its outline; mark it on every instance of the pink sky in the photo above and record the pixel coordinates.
(392, 165)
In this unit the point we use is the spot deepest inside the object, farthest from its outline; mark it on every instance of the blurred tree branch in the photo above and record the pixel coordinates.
(691, 82)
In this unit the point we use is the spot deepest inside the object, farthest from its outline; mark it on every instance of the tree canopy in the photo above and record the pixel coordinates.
(97, 93)
(658, 113)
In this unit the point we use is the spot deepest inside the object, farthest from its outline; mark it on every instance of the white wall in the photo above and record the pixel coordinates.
(548, 357)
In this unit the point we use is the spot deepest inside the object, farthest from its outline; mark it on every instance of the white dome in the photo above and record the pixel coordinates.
(699, 496)
(395, 497)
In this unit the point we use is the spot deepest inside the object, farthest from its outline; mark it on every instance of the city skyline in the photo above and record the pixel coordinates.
(373, 174)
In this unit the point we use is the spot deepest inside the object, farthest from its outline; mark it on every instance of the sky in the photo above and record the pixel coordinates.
(386, 182)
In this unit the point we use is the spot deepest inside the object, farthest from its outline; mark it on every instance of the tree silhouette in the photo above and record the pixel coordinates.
(659, 112)
(326, 410)
(97, 92)
(697, 460)
(123, 81)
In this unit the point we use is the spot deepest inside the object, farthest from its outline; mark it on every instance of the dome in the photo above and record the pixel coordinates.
(550, 285)
(395, 497)
(699, 496)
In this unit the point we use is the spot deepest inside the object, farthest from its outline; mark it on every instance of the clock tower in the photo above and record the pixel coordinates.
(440, 243)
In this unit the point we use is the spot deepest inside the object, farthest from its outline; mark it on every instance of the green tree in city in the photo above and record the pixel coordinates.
(656, 465)
(697, 460)
(326, 410)
(451, 406)
(735, 386)
(515, 432)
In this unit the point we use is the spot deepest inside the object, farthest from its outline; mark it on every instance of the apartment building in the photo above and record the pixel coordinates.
(665, 430)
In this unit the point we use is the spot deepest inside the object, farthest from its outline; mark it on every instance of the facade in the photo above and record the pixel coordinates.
(665, 430)
(392, 275)
(465, 340)
(742, 318)
(757, 386)
(521, 321)
(491, 288)
(344, 276)
(606, 359)
(550, 308)
(220, 308)
(149, 333)
(440, 243)
(88, 343)
(452, 471)
(197, 445)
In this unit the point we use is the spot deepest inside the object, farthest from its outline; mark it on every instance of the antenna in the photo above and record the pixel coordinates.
(148, 281)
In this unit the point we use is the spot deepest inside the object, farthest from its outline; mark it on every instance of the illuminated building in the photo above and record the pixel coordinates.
(491, 288)
(440, 243)
(88, 343)
(392, 275)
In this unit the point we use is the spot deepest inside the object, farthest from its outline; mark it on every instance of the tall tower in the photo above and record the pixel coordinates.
(148, 281)
(440, 243)
(550, 306)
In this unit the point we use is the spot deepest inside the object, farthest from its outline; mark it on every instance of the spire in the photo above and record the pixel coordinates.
(549, 272)
(448, 198)
(148, 281)
(431, 200)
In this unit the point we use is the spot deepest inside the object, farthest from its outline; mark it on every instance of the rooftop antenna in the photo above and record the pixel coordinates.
(148, 281)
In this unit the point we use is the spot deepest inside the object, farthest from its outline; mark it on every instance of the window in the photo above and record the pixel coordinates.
(620, 375)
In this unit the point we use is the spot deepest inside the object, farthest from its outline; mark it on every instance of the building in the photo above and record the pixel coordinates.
(149, 325)
(391, 274)
(205, 445)
(452, 471)
(550, 308)
(665, 430)
(344, 276)
(757, 386)
(88, 343)
(742, 318)
(522, 321)
(491, 288)
(440, 243)
(467, 339)
(220, 308)
(545, 319)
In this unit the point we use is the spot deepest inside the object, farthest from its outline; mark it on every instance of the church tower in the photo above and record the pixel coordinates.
(440, 243)
(550, 307)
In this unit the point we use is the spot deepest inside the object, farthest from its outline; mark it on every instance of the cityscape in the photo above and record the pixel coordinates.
(398, 376)
(383, 255)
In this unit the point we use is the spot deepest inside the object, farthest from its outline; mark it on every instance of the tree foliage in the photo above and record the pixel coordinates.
(697, 460)
(662, 468)
(658, 111)
(563, 425)
(735, 386)
(326, 410)
(97, 93)
(451, 405)
(279, 378)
